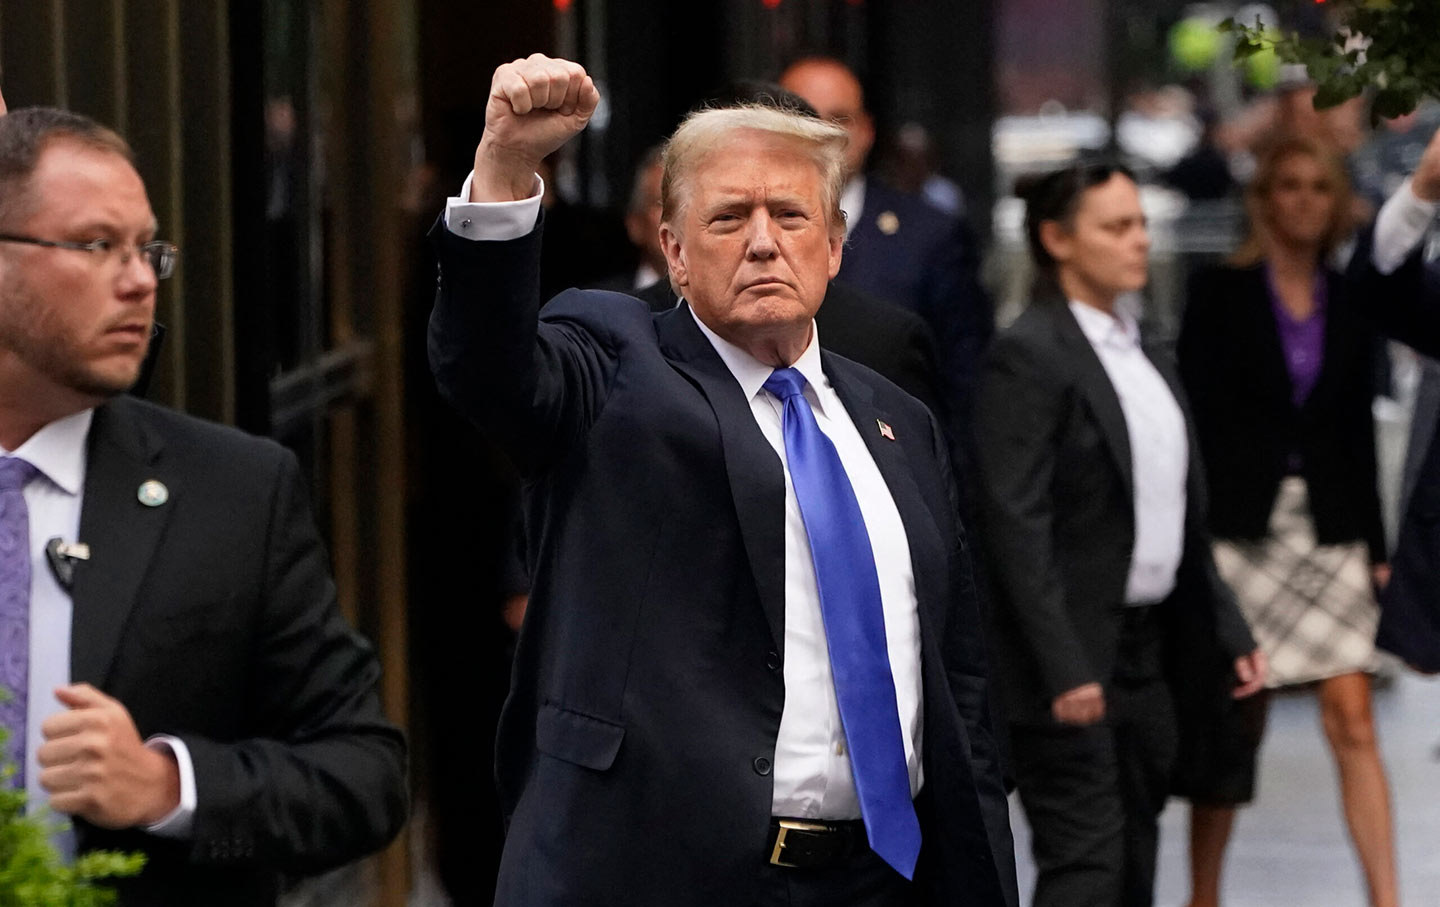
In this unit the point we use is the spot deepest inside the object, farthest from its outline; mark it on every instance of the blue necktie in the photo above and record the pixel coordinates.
(15, 606)
(854, 627)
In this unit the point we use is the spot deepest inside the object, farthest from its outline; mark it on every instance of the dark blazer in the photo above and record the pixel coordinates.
(1058, 514)
(1405, 305)
(212, 618)
(1240, 392)
(635, 751)
(863, 328)
(908, 252)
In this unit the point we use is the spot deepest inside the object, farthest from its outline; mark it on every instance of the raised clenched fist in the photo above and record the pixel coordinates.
(535, 106)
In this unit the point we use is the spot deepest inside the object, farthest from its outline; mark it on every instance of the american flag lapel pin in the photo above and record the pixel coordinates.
(885, 430)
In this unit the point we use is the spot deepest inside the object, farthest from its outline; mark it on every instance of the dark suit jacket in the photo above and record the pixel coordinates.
(893, 341)
(1240, 391)
(1058, 515)
(212, 618)
(1405, 305)
(927, 262)
(635, 750)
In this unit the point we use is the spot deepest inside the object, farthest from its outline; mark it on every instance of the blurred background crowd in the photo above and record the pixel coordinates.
(298, 151)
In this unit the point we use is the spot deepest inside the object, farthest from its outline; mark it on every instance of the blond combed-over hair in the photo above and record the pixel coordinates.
(705, 132)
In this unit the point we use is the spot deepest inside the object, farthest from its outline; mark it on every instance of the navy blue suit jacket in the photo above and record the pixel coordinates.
(1405, 305)
(635, 751)
(905, 250)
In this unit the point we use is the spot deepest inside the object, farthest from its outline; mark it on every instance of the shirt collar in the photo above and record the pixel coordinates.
(1119, 330)
(752, 374)
(852, 201)
(58, 451)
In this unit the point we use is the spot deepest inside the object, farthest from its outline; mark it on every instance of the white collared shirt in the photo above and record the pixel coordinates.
(1159, 450)
(1399, 227)
(53, 500)
(811, 773)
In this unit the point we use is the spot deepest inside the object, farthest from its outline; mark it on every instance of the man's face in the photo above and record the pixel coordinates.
(78, 323)
(752, 248)
(836, 95)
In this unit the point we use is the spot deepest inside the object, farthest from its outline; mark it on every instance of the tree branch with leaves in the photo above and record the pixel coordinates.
(1388, 47)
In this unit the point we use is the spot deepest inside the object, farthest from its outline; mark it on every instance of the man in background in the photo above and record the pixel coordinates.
(642, 226)
(898, 246)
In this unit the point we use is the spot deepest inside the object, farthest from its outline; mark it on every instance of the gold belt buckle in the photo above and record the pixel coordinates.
(787, 826)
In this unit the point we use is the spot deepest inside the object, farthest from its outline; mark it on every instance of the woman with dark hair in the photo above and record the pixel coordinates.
(1093, 530)
(1279, 366)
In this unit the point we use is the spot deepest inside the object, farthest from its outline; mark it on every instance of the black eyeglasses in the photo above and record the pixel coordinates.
(160, 255)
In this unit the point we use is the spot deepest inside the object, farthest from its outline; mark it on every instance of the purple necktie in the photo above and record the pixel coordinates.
(15, 606)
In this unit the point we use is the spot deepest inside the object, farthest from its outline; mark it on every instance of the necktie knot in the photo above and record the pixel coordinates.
(14, 473)
(785, 383)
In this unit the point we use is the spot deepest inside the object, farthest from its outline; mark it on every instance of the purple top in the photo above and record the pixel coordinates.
(1302, 342)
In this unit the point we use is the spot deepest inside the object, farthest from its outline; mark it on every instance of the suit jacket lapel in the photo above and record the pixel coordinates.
(1095, 385)
(122, 534)
(927, 548)
(757, 478)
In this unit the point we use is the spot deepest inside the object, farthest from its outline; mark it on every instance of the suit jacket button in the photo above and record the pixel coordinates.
(772, 660)
(762, 765)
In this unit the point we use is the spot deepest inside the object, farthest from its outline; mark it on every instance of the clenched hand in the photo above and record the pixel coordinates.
(536, 105)
(95, 766)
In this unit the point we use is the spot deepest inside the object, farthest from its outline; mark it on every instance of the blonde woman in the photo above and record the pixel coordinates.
(1278, 362)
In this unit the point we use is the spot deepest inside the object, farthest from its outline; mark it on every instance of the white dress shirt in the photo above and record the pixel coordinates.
(1159, 451)
(812, 776)
(53, 500)
(1399, 228)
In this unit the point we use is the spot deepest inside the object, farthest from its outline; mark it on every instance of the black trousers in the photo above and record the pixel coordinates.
(1093, 795)
(867, 882)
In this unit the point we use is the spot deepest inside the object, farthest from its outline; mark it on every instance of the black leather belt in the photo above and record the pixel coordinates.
(814, 843)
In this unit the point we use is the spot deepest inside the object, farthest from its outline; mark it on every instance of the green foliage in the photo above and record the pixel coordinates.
(1401, 63)
(31, 871)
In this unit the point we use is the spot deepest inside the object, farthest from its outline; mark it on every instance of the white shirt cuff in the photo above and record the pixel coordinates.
(1399, 228)
(177, 824)
(492, 221)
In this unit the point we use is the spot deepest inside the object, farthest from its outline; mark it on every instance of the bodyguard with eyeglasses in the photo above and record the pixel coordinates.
(182, 682)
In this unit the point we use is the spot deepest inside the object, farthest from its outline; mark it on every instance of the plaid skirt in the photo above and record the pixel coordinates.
(1310, 606)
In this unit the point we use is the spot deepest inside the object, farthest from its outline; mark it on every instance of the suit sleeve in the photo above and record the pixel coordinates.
(960, 311)
(534, 387)
(1194, 346)
(1018, 416)
(967, 669)
(321, 779)
(1201, 339)
(1405, 304)
(917, 372)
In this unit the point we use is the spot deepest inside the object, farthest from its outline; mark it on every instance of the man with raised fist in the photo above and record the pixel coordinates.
(751, 672)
